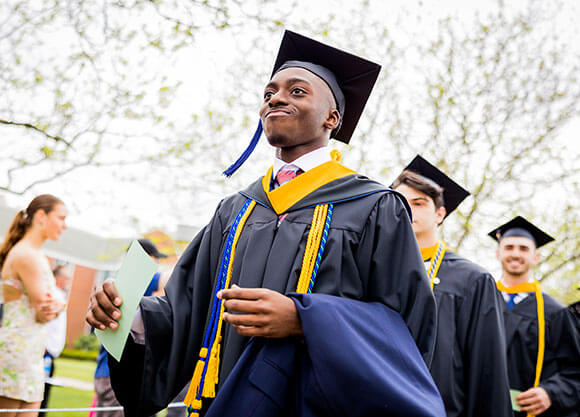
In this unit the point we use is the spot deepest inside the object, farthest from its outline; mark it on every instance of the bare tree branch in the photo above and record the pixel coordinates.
(36, 129)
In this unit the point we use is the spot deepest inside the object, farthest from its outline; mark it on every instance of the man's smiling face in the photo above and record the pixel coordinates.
(298, 110)
(517, 255)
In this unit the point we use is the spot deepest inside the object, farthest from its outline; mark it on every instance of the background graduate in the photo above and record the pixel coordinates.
(543, 343)
(469, 365)
(327, 231)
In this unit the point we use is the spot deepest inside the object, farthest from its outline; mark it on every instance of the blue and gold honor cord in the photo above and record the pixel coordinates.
(435, 263)
(206, 374)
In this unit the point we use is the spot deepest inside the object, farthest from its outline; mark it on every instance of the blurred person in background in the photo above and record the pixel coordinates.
(30, 300)
(55, 332)
(542, 335)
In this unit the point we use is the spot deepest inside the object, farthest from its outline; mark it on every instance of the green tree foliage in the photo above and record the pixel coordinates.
(490, 96)
(92, 83)
(490, 99)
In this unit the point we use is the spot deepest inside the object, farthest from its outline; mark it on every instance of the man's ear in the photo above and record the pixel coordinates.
(441, 213)
(536, 257)
(332, 119)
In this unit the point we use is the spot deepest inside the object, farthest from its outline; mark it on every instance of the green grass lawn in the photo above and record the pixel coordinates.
(73, 368)
(64, 397)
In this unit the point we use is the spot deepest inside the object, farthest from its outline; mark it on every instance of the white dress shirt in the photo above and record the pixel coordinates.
(56, 329)
(306, 162)
(518, 298)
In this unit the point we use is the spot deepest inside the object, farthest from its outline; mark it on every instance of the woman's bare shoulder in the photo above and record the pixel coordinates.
(23, 257)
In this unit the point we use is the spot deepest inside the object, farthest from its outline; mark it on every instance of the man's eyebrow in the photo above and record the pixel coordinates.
(289, 81)
(419, 198)
(295, 80)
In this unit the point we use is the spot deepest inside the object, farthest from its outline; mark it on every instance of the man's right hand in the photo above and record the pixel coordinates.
(103, 311)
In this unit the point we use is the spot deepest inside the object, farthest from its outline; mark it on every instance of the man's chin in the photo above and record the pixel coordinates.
(279, 140)
(516, 272)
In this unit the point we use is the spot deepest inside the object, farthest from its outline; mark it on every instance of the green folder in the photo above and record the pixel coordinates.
(132, 280)
(513, 394)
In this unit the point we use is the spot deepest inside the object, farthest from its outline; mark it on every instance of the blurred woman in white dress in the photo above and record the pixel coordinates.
(30, 299)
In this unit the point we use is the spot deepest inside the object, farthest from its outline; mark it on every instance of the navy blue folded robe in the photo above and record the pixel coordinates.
(356, 359)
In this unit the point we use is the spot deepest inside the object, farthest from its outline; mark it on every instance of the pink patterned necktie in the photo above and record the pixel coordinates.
(285, 175)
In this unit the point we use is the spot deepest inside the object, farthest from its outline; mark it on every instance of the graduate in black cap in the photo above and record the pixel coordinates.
(469, 365)
(542, 335)
(305, 295)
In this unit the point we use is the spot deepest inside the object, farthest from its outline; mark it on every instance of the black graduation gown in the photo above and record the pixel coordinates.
(469, 364)
(561, 370)
(371, 255)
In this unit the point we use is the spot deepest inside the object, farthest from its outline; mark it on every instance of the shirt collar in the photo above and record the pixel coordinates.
(306, 162)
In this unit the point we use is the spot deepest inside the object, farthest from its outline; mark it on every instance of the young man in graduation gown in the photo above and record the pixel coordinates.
(310, 262)
(543, 343)
(469, 365)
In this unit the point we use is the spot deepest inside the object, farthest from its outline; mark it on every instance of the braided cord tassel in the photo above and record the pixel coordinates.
(436, 262)
(196, 388)
(206, 374)
(321, 248)
(312, 253)
(212, 375)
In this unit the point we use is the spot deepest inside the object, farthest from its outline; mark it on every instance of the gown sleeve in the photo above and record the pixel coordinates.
(485, 362)
(391, 263)
(563, 387)
(149, 376)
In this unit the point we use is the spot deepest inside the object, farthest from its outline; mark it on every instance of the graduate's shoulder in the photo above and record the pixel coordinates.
(553, 306)
(363, 197)
(229, 206)
(553, 309)
(348, 188)
(358, 186)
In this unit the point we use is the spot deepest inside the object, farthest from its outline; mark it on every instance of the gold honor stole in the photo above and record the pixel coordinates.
(291, 192)
(206, 374)
(436, 254)
(536, 288)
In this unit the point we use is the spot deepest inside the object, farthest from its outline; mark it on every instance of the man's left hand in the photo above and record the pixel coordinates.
(265, 313)
(534, 401)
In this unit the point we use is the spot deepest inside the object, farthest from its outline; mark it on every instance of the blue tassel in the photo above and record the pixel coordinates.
(234, 167)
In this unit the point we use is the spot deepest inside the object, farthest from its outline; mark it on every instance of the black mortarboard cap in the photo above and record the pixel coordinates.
(349, 77)
(346, 74)
(520, 227)
(453, 193)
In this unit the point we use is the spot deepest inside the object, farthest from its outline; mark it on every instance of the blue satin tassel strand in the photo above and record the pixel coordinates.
(234, 167)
